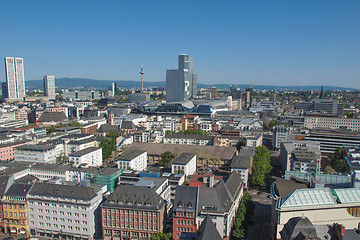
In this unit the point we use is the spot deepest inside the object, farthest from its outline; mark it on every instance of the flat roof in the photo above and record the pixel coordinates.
(130, 155)
(35, 147)
(184, 158)
(84, 151)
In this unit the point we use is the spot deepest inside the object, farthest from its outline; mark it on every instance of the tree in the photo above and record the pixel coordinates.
(242, 218)
(107, 148)
(166, 158)
(167, 132)
(51, 129)
(272, 123)
(338, 162)
(261, 166)
(329, 170)
(161, 236)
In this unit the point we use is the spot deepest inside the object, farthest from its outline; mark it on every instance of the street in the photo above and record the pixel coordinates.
(260, 228)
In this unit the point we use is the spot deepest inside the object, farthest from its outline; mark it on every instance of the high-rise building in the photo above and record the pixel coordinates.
(181, 83)
(14, 70)
(114, 89)
(49, 86)
(248, 97)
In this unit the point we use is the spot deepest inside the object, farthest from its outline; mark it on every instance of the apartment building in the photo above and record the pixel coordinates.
(90, 157)
(136, 160)
(35, 153)
(185, 163)
(280, 134)
(189, 139)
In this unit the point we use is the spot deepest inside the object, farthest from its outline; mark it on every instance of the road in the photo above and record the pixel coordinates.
(260, 227)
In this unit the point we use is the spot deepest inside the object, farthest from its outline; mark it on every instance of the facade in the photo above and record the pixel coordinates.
(136, 160)
(36, 153)
(280, 134)
(324, 106)
(242, 163)
(304, 160)
(14, 69)
(7, 150)
(334, 123)
(49, 86)
(114, 89)
(15, 210)
(185, 162)
(63, 211)
(188, 139)
(90, 157)
(132, 212)
(181, 83)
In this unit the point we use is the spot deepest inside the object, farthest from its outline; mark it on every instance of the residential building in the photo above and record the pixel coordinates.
(184, 163)
(15, 210)
(181, 83)
(189, 139)
(49, 86)
(280, 134)
(5, 183)
(7, 150)
(35, 153)
(204, 180)
(132, 212)
(136, 160)
(189, 122)
(242, 163)
(331, 122)
(160, 185)
(64, 211)
(303, 160)
(14, 69)
(90, 157)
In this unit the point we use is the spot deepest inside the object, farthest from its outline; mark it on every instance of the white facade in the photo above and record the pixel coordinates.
(188, 166)
(280, 134)
(91, 157)
(136, 160)
(35, 153)
(14, 68)
(313, 122)
(49, 86)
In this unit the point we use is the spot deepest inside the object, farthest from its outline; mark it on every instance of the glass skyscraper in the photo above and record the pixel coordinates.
(181, 83)
(49, 86)
(15, 80)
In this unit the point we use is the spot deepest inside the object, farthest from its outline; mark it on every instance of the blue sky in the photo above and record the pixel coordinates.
(282, 42)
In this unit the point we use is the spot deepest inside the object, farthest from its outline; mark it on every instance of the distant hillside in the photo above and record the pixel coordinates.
(106, 84)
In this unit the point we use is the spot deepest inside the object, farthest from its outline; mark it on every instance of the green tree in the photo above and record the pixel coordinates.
(272, 123)
(166, 158)
(261, 166)
(348, 114)
(338, 162)
(161, 236)
(168, 132)
(51, 129)
(107, 148)
(242, 218)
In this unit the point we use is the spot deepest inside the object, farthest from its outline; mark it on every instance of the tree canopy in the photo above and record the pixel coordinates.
(338, 162)
(261, 166)
(242, 218)
(166, 158)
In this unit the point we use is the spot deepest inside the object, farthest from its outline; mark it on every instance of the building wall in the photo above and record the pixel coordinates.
(183, 222)
(15, 216)
(36, 156)
(138, 164)
(94, 159)
(313, 122)
(188, 169)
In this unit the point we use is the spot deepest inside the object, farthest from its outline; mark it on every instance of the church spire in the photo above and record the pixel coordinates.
(322, 93)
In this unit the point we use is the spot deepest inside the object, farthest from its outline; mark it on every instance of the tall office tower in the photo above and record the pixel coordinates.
(49, 86)
(248, 97)
(114, 89)
(181, 84)
(14, 69)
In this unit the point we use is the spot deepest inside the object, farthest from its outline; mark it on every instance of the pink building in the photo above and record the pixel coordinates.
(7, 150)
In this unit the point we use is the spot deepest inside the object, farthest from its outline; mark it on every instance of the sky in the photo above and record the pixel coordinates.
(280, 42)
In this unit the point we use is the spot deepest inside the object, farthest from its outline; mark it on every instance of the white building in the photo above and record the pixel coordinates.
(63, 211)
(280, 134)
(185, 162)
(335, 123)
(15, 81)
(49, 86)
(136, 160)
(35, 153)
(91, 157)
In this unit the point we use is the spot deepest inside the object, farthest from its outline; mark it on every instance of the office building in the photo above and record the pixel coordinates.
(181, 83)
(280, 134)
(114, 89)
(331, 122)
(322, 106)
(14, 70)
(49, 86)
(248, 97)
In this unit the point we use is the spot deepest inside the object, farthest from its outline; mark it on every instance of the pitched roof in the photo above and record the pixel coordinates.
(18, 190)
(234, 184)
(4, 180)
(240, 161)
(52, 117)
(186, 198)
(207, 230)
(105, 128)
(298, 227)
(347, 195)
(62, 191)
(127, 125)
(139, 197)
(190, 136)
(215, 199)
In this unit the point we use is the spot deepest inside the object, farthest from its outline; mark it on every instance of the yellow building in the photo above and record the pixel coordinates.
(14, 205)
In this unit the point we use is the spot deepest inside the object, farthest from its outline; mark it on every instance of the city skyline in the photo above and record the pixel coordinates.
(262, 42)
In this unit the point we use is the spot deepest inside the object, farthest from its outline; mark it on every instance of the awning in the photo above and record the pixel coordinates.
(13, 230)
(22, 232)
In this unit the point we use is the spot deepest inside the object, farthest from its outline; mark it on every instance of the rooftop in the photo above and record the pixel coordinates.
(131, 155)
(37, 147)
(347, 195)
(184, 158)
(190, 136)
(84, 151)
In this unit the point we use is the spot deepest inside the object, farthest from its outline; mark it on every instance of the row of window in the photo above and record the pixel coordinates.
(15, 206)
(58, 205)
(61, 226)
(131, 219)
(127, 212)
(184, 222)
(127, 226)
(15, 214)
(61, 219)
(184, 229)
(183, 214)
(125, 233)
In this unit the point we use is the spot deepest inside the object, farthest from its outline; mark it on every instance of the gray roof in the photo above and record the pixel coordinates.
(52, 117)
(130, 155)
(240, 161)
(3, 185)
(207, 230)
(186, 198)
(84, 151)
(138, 197)
(234, 184)
(62, 191)
(82, 141)
(183, 158)
(35, 147)
(18, 190)
(105, 128)
(223, 153)
(215, 199)
(190, 136)
(298, 226)
(303, 155)
(127, 125)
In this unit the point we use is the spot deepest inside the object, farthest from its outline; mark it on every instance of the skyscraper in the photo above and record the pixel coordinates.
(114, 89)
(49, 86)
(181, 84)
(14, 70)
